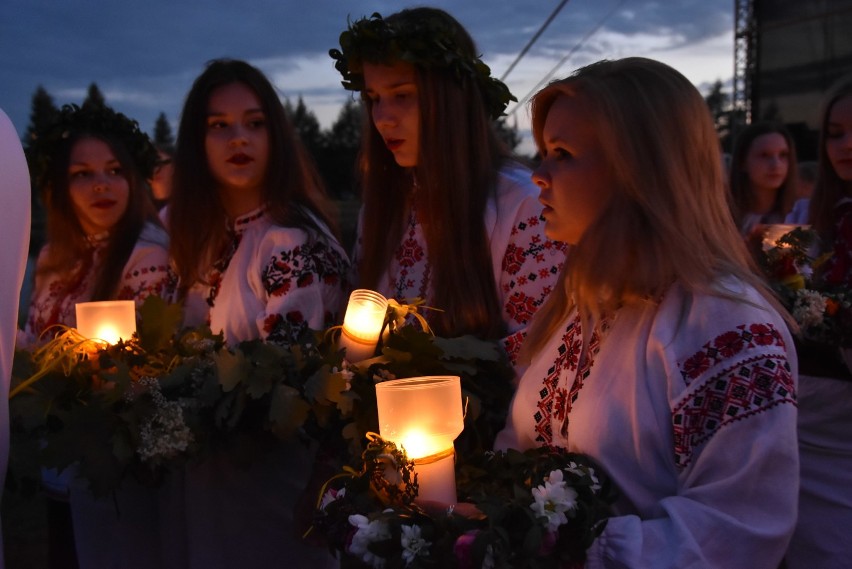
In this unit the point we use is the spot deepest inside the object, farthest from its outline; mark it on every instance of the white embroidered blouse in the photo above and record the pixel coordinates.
(690, 407)
(525, 263)
(271, 275)
(146, 273)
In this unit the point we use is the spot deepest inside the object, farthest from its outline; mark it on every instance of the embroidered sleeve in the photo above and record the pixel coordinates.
(738, 374)
(529, 269)
(147, 273)
(735, 451)
(304, 285)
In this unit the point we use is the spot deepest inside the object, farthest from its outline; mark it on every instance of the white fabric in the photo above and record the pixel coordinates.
(273, 272)
(145, 273)
(15, 224)
(689, 407)
(524, 262)
(232, 517)
(799, 213)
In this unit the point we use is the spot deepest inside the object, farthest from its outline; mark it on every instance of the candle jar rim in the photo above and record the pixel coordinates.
(418, 382)
(106, 303)
(367, 294)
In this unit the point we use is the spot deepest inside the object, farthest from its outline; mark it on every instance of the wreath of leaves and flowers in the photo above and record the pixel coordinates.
(426, 42)
(796, 273)
(167, 396)
(539, 508)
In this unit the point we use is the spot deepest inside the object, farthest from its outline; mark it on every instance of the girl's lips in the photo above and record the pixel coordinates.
(240, 159)
(393, 144)
(103, 204)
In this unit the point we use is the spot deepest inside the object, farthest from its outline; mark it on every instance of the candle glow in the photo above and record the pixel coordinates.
(424, 415)
(362, 324)
(108, 321)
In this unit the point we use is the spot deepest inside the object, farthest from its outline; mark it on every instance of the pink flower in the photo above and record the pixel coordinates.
(463, 549)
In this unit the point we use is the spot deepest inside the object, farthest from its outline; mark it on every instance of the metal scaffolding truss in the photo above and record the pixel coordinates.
(745, 57)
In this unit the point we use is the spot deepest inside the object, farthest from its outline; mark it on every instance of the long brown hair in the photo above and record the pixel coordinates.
(456, 173)
(668, 219)
(292, 193)
(829, 188)
(740, 184)
(67, 243)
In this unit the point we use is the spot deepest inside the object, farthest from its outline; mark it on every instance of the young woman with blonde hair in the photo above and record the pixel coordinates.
(660, 353)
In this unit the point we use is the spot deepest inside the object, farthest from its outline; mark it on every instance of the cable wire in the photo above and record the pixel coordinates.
(533, 39)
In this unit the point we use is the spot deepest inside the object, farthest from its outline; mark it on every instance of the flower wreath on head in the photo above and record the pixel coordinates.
(95, 120)
(426, 42)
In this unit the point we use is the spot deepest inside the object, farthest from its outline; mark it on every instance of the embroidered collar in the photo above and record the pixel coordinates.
(243, 222)
(97, 239)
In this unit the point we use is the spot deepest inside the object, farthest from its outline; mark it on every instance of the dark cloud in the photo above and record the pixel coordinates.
(144, 55)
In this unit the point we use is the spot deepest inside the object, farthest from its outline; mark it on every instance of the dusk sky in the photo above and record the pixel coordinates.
(144, 55)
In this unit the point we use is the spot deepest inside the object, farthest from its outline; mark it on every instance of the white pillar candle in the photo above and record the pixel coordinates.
(424, 415)
(362, 324)
(108, 320)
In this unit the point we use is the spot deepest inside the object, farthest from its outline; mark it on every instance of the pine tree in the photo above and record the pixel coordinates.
(307, 126)
(43, 112)
(340, 151)
(94, 97)
(163, 137)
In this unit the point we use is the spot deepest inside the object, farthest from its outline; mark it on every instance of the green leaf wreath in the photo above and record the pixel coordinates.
(539, 508)
(167, 396)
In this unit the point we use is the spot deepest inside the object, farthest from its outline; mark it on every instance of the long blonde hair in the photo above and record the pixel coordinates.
(668, 219)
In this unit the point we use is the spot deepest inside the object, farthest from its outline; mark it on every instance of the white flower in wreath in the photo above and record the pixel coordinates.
(554, 499)
(809, 308)
(331, 496)
(367, 533)
(413, 544)
(581, 471)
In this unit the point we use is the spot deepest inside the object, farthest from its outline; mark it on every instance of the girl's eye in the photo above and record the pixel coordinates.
(79, 174)
(216, 125)
(560, 153)
(116, 171)
(257, 123)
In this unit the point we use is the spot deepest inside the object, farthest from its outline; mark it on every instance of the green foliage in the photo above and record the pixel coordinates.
(171, 395)
(364, 512)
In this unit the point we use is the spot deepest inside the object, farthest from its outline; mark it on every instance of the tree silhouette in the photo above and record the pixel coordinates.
(163, 137)
(307, 126)
(43, 112)
(337, 162)
(94, 97)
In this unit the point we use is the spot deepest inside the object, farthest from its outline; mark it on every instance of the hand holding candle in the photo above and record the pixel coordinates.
(362, 324)
(424, 416)
(108, 321)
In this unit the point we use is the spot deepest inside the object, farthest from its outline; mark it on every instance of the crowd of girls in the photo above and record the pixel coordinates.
(616, 275)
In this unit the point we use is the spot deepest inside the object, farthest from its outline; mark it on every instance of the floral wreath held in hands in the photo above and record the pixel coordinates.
(426, 42)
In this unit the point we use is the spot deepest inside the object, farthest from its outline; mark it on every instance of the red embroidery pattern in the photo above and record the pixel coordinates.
(551, 392)
(727, 345)
(313, 264)
(219, 268)
(526, 262)
(739, 390)
(409, 255)
(512, 345)
(556, 402)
